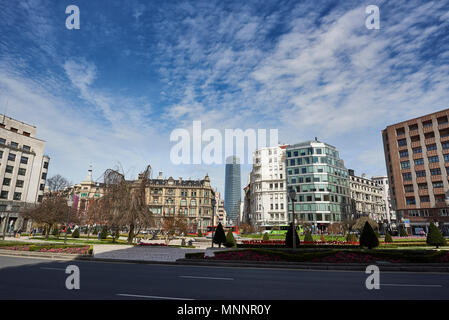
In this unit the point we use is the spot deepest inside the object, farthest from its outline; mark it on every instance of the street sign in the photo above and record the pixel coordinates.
(407, 223)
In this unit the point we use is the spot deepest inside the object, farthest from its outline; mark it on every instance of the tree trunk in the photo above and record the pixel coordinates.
(48, 232)
(131, 234)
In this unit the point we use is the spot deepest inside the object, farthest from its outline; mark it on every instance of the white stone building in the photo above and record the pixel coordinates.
(388, 214)
(268, 190)
(366, 197)
(23, 172)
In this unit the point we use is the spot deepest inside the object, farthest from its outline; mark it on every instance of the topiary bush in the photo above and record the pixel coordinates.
(289, 237)
(368, 237)
(104, 233)
(265, 237)
(308, 237)
(434, 237)
(403, 232)
(69, 231)
(388, 237)
(200, 234)
(219, 236)
(230, 240)
(76, 233)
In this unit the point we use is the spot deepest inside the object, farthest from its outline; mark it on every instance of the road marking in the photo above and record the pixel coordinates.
(48, 268)
(213, 278)
(411, 285)
(150, 297)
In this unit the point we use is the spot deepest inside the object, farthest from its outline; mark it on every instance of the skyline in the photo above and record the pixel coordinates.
(111, 92)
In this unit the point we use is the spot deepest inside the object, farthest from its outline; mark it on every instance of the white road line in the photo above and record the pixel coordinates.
(212, 278)
(150, 297)
(47, 268)
(411, 285)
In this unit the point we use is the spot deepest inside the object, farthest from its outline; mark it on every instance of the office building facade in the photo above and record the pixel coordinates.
(232, 189)
(268, 189)
(417, 160)
(320, 179)
(23, 172)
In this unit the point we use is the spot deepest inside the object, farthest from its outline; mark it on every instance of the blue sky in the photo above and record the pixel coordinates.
(111, 92)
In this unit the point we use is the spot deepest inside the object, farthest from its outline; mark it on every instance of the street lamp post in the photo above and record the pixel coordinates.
(214, 202)
(292, 195)
(69, 205)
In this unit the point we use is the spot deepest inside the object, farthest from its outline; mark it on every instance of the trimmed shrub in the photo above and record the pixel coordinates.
(200, 234)
(76, 233)
(95, 231)
(435, 238)
(69, 231)
(368, 237)
(289, 237)
(376, 232)
(219, 236)
(308, 237)
(230, 241)
(403, 232)
(265, 237)
(104, 233)
(388, 237)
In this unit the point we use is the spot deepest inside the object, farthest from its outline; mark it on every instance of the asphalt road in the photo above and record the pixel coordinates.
(29, 278)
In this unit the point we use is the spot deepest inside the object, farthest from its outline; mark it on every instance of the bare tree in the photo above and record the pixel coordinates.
(173, 226)
(124, 202)
(58, 183)
(52, 211)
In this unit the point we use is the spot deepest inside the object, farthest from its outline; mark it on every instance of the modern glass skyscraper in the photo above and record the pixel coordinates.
(317, 174)
(232, 188)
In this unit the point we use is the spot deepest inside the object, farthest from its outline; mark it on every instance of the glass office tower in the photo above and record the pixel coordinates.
(232, 189)
(321, 182)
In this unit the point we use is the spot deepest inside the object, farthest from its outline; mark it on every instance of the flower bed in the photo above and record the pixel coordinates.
(282, 242)
(352, 257)
(58, 249)
(152, 244)
(243, 255)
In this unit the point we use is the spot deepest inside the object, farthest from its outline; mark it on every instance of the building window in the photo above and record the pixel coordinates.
(402, 142)
(22, 171)
(421, 173)
(435, 172)
(445, 145)
(433, 159)
(17, 196)
(410, 200)
(11, 157)
(9, 169)
(44, 175)
(417, 150)
(2, 141)
(408, 188)
(46, 165)
(19, 183)
(4, 195)
(446, 158)
(403, 153)
(6, 181)
(438, 184)
(405, 164)
(407, 176)
(422, 186)
(424, 199)
(431, 147)
(39, 198)
(14, 144)
(427, 124)
(24, 160)
(1, 154)
(26, 148)
(42, 187)
(419, 162)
